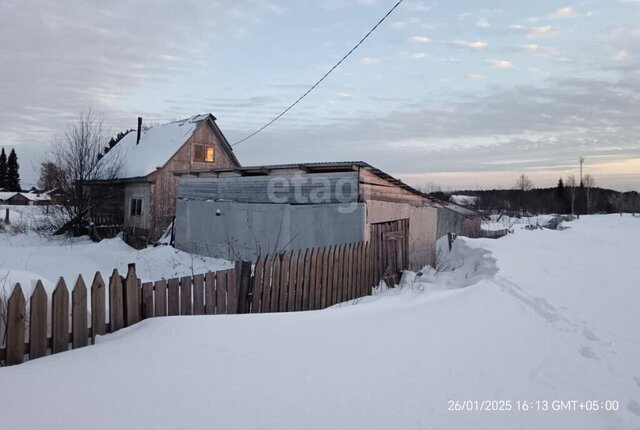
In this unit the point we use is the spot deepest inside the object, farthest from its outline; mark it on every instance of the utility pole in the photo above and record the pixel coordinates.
(581, 162)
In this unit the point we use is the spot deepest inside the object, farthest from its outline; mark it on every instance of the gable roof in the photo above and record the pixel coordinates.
(157, 145)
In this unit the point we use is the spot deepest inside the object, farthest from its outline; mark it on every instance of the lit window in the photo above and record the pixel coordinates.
(209, 155)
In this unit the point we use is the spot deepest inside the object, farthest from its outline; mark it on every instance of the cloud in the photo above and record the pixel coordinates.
(482, 23)
(420, 39)
(475, 45)
(563, 12)
(541, 32)
(369, 60)
(475, 76)
(621, 55)
(418, 55)
(500, 64)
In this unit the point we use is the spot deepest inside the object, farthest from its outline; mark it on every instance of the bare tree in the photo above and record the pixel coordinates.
(572, 185)
(524, 183)
(588, 183)
(77, 156)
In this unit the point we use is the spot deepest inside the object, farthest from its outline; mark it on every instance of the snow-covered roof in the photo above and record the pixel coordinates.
(6, 195)
(157, 145)
(34, 197)
(461, 199)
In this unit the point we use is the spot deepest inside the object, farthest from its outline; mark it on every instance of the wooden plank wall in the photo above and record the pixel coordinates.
(299, 280)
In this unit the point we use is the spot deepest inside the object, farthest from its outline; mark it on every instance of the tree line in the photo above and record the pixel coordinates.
(9, 171)
(569, 196)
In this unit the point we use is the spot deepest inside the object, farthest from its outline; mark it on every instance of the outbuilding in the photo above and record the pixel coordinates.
(243, 212)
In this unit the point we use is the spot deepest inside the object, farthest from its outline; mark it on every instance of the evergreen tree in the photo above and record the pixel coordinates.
(13, 172)
(560, 188)
(3, 169)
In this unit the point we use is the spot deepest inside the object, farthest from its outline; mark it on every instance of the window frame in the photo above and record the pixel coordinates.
(135, 206)
(200, 152)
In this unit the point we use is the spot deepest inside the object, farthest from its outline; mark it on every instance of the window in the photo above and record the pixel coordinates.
(136, 207)
(204, 153)
(209, 154)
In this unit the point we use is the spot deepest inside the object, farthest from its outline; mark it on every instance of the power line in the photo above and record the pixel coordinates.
(322, 78)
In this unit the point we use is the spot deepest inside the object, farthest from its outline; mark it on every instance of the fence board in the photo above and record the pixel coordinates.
(198, 294)
(221, 292)
(147, 300)
(302, 288)
(315, 286)
(244, 287)
(294, 291)
(79, 330)
(16, 318)
(232, 292)
(285, 261)
(307, 281)
(267, 282)
(116, 302)
(131, 296)
(98, 308)
(38, 322)
(275, 284)
(256, 296)
(334, 275)
(173, 297)
(160, 288)
(60, 318)
(210, 293)
(327, 261)
(186, 301)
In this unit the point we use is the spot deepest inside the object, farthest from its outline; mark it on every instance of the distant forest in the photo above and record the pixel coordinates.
(550, 200)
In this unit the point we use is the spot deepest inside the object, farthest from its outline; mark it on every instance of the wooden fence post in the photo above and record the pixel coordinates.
(131, 296)
(60, 318)
(186, 303)
(38, 322)
(244, 286)
(116, 302)
(98, 308)
(198, 294)
(147, 300)
(16, 315)
(79, 330)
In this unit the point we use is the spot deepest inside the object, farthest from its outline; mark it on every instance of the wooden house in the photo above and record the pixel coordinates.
(247, 211)
(141, 197)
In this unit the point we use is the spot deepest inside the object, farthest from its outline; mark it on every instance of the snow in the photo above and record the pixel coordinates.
(536, 315)
(6, 195)
(463, 200)
(157, 145)
(27, 257)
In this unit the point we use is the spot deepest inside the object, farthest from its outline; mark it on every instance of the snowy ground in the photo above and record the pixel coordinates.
(27, 257)
(535, 316)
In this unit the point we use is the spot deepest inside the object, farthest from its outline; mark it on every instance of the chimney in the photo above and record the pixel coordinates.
(139, 129)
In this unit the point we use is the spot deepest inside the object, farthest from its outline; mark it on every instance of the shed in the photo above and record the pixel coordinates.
(242, 212)
(453, 218)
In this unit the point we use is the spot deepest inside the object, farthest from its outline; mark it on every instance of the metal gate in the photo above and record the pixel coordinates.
(390, 245)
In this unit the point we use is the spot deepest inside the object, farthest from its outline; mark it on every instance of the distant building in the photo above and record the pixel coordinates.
(142, 196)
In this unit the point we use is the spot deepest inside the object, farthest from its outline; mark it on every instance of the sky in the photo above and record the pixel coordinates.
(457, 94)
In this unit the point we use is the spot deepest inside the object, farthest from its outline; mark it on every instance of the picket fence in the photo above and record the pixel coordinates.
(299, 280)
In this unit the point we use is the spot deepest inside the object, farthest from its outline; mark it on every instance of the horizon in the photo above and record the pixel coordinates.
(464, 96)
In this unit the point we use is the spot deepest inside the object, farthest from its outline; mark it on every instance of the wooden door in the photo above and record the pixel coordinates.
(390, 245)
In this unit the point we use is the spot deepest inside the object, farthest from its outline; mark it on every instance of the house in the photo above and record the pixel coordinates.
(242, 212)
(141, 196)
(6, 195)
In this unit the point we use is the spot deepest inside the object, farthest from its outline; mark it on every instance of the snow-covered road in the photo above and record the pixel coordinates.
(534, 316)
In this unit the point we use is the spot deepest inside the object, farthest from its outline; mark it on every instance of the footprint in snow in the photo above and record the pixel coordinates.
(587, 352)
